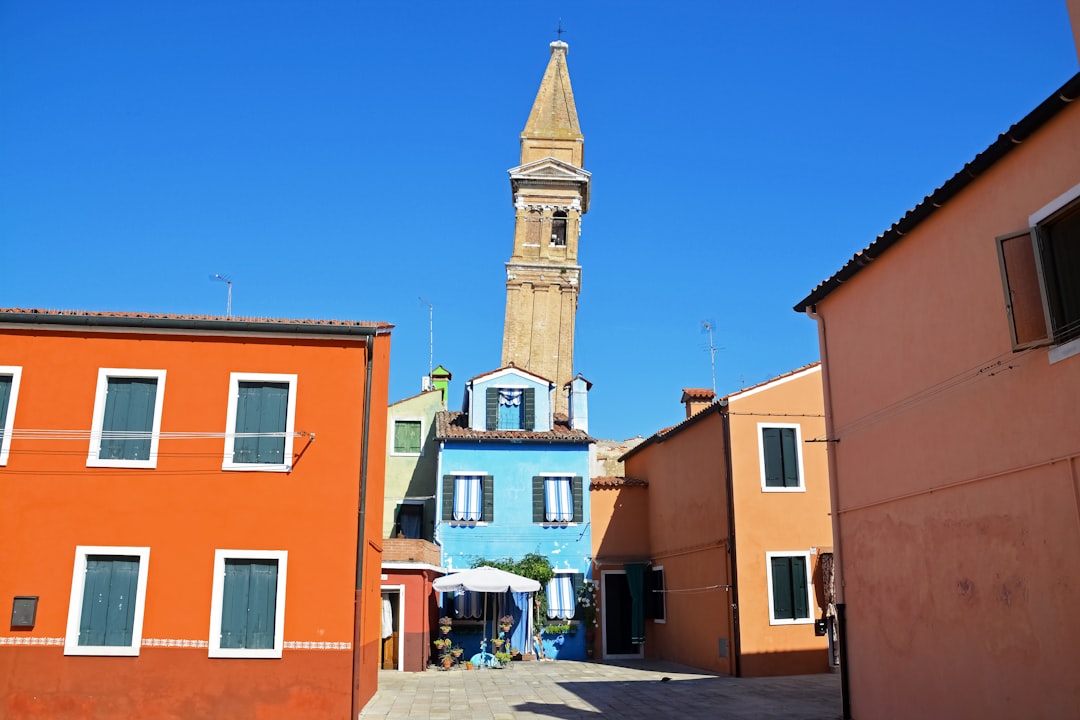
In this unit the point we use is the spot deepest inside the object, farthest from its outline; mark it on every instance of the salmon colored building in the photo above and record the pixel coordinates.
(951, 354)
(192, 515)
(714, 550)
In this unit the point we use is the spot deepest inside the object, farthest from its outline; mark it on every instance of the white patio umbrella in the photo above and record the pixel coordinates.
(485, 579)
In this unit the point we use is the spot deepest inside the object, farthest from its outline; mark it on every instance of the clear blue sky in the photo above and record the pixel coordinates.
(343, 159)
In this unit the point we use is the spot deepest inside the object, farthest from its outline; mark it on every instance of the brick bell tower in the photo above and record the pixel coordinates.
(550, 193)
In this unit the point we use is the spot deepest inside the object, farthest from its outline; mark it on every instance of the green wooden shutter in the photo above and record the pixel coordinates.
(774, 460)
(657, 579)
(108, 607)
(782, 591)
(577, 580)
(5, 397)
(261, 407)
(791, 457)
(492, 398)
(129, 407)
(488, 489)
(447, 498)
(529, 402)
(538, 499)
(799, 591)
(578, 495)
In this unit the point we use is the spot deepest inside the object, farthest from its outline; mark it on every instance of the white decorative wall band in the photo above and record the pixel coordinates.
(175, 643)
(31, 641)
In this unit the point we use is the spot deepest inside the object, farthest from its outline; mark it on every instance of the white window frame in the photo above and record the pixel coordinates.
(798, 454)
(469, 523)
(569, 574)
(522, 388)
(230, 421)
(78, 587)
(810, 603)
(15, 371)
(93, 458)
(217, 596)
(569, 476)
(1058, 350)
(393, 428)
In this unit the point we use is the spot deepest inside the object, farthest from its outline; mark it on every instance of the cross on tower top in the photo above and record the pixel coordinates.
(559, 31)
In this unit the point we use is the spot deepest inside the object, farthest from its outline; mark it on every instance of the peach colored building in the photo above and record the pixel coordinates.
(192, 515)
(717, 536)
(951, 358)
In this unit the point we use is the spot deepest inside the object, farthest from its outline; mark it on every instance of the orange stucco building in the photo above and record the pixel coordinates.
(727, 517)
(952, 382)
(192, 514)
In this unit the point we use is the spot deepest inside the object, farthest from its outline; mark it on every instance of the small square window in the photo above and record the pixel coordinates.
(127, 418)
(468, 497)
(408, 437)
(558, 498)
(510, 408)
(260, 422)
(10, 376)
(108, 594)
(248, 603)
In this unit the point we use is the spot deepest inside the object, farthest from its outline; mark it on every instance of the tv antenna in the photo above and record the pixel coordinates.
(431, 336)
(228, 303)
(708, 327)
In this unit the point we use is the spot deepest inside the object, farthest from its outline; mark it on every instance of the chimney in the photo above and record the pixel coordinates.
(440, 380)
(696, 400)
(579, 403)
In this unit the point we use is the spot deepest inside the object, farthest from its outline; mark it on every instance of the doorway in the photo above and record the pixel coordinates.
(392, 601)
(617, 604)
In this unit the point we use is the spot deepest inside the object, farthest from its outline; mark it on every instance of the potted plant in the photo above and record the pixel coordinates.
(503, 658)
(445, 652)
(457, 652)
(505, 622)
(445, 624)
(586, 601)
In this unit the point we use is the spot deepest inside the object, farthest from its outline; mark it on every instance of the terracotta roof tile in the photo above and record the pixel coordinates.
(82, 316)
(605, 483)
(455, 426)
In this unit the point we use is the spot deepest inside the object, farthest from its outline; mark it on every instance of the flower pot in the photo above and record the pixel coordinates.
(447, 662)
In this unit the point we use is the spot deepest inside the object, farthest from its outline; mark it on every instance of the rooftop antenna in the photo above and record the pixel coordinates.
(708, 327)
(431, 336)
(228, 303)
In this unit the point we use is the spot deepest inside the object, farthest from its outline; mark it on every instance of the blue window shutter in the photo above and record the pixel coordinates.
(249, 604)
(529, 403)
(789, 452)
(578, 493)
(5, 397)
(262, 604)
(492, 402)
(774, 461)
(108, 608)
(129, 408)
(261, 407)
(489, 498)
(799, 590)
(782, 591)
(234, 602)
(538, 499)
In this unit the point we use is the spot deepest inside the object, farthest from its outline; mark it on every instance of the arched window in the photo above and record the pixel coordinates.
(558, 228)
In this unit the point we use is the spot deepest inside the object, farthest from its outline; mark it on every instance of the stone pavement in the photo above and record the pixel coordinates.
(567, 689)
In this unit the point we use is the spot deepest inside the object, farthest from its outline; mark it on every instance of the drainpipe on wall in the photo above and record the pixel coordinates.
(361, 509)
(736, 640)
(834, 503)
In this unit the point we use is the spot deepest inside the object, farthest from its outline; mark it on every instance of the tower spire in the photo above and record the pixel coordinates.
(552, 129)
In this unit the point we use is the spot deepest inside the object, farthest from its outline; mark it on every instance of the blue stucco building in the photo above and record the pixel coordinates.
(512, 480)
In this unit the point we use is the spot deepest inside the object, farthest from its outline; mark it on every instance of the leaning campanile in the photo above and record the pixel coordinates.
(550, 193)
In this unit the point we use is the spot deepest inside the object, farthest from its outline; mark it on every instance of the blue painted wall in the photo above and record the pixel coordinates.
(509, 378)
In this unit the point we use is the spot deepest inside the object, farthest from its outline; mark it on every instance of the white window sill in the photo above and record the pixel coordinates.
(799, 621)
(1064, 351)
(101, 650)
(558, 523)
(94, 461)
(466, 523)
(800, 489)
(265, 654)
(405, 454)
(256, 467)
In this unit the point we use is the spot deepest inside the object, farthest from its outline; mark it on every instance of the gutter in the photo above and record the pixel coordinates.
(736, 640)
(834, 502)
(1006, 143)
(361, 510)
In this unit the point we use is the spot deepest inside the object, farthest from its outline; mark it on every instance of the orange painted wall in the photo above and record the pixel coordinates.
(778, 521)
(418, 613)
(185, 509)
(957, 465)
(688, 535)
